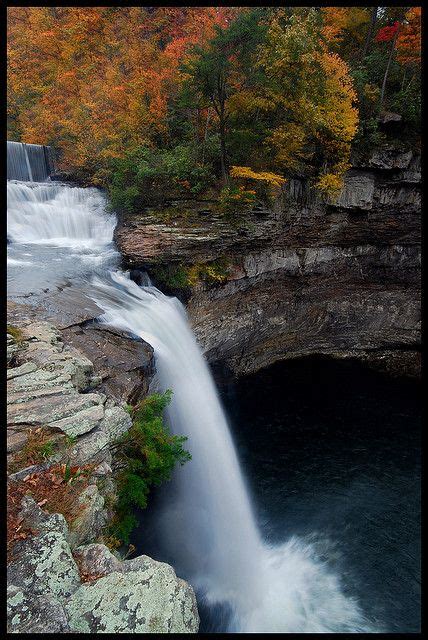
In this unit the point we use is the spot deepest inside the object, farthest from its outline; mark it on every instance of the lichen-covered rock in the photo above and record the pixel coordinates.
(43, 522)
(27, 367)
(53, 590)
(44, 565)
(96, 560)
(91, 519)
(91, 447)
(116, 422)
(38, 411)
(12, 349)
(46, 349)
(144, 596)
(45, 390)
(30, 613)
(83, 420)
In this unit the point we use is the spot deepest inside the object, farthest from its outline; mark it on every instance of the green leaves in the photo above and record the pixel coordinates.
(146, 456)
(147, 176)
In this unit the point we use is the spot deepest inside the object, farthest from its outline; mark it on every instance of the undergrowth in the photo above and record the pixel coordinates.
(56, 489)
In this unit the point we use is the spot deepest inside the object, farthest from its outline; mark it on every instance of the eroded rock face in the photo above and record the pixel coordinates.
(307, 277)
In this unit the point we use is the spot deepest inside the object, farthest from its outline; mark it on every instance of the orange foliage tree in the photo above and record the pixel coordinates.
(95, 81)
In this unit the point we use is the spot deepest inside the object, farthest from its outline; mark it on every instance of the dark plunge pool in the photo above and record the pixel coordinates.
(331, 451)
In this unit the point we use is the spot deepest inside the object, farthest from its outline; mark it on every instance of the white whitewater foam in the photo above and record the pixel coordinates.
(58, 215)
(15, 262)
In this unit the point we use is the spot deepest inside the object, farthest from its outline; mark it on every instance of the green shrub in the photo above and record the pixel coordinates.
(368, 136)
(214, 272)
(152, 176)
(171, 276)
(180, 276)
(236, 200)
(146, 456)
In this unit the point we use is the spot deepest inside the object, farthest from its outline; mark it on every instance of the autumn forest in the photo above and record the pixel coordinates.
(213, 319)
(153, 102)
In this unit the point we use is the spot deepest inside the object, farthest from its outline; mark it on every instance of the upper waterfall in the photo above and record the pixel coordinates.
(29, 162)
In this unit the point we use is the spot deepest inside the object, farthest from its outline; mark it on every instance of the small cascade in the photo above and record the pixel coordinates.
(56, 214)
(29, 162)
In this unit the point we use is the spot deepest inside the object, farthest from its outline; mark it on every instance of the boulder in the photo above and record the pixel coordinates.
(31, 613)
(141, 596)
(44, 565)
(96, 560)
(91, 519)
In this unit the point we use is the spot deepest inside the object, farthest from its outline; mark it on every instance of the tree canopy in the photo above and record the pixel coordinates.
(183, 94)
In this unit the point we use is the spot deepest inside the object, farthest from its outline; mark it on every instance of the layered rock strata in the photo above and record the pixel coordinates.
(306, 277)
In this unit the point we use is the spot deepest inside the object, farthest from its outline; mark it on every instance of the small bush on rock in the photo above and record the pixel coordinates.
(146, 456)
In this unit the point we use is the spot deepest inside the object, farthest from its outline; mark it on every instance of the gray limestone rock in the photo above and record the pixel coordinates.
(144, 596)
(31, 613)
(91, 519)
(44, 565)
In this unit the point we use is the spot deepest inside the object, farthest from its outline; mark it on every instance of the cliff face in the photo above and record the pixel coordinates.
(306, 277)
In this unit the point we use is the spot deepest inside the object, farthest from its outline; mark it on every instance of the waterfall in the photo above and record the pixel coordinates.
(208, 524)
(57, 214)
(28, 162)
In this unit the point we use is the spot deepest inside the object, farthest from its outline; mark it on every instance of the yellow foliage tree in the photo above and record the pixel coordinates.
(312, 100)
(247, 173)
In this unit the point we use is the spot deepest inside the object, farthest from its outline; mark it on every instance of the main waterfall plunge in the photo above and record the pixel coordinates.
(208, 523)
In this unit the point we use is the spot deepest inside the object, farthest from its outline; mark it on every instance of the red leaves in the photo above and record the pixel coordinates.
(387, 33)
(51, 490)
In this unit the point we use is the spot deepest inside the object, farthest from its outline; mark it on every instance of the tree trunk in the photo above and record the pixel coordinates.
(385, 77)
(206, 135)
(370, 32)
(223, 154)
